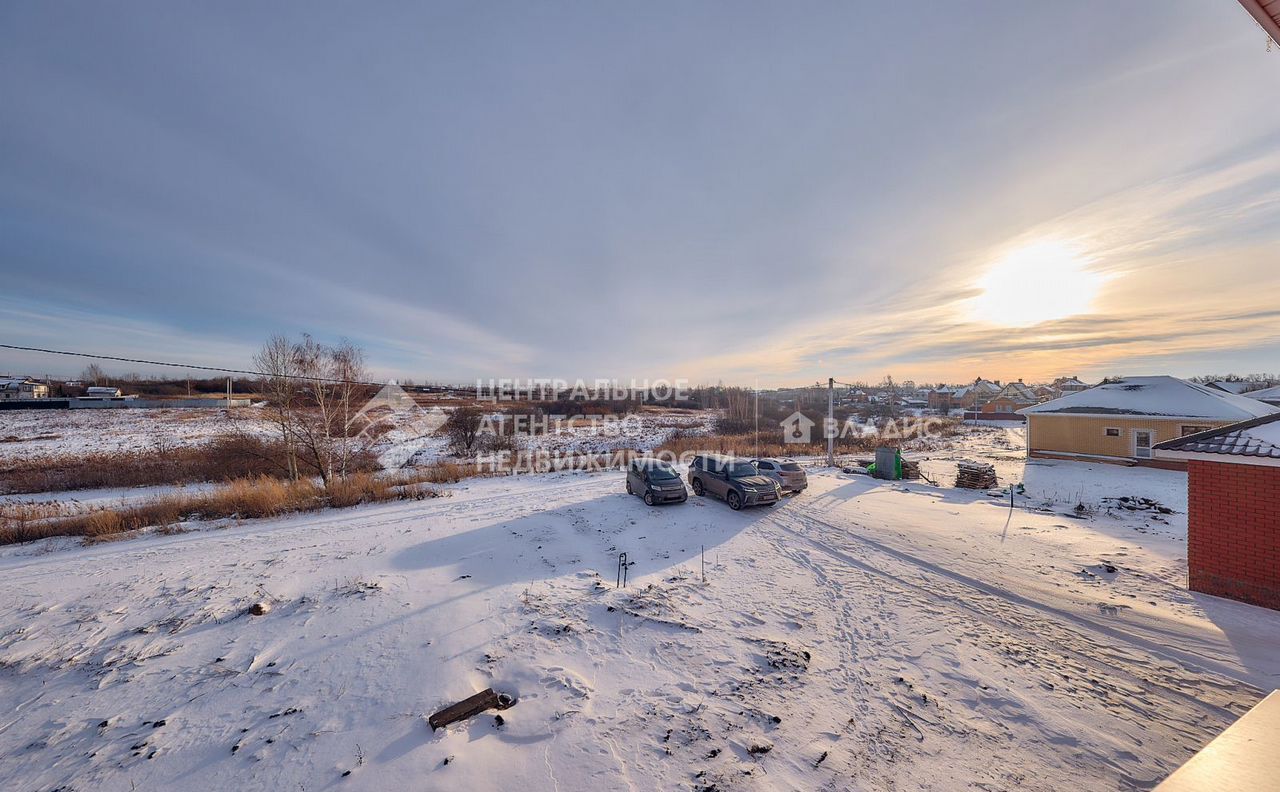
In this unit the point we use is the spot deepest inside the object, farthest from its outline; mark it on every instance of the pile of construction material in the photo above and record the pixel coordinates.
(910, 469)
(975, 475)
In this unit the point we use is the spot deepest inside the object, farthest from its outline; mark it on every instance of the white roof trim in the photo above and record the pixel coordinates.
(1199, 420)
(1226, 459)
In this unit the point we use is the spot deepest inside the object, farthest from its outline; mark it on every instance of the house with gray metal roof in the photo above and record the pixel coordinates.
(1122, 421)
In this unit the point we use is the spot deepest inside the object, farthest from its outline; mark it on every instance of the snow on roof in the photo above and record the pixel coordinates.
(986, 386)
(1156, 396)
(1259, 437)
(1017, 390)
(1235, 386)
(1266, 394)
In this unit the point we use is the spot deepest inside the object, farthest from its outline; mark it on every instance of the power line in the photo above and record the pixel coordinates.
(182, 365)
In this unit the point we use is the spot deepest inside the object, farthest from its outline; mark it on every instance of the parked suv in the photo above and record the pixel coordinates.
(735, 480)
(655, 481)
(789, 475)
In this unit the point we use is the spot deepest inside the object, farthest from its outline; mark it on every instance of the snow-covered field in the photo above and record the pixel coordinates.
(864, 635)
(40, 434)
(641, 431)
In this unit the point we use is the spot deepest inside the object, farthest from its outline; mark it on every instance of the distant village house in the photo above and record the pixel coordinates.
(1010, 399)
(23, 389)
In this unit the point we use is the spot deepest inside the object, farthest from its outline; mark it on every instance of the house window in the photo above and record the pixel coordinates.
(1191, 429)
(1112, 431)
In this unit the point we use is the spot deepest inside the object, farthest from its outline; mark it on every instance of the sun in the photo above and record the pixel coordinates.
(1037, 283)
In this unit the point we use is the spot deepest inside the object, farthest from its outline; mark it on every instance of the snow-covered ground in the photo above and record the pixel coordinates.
(641, 431)
(40, 434)
(864, 635)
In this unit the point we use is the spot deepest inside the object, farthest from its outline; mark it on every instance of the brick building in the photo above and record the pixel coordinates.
(1233, 509)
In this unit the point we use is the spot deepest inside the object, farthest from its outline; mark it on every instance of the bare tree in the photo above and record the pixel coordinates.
(330, 382)
(348, 366)
(93, 374)
(278, 369)
(313, 391)
(463, 428)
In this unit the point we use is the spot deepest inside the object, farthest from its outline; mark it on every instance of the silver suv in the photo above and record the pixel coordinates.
(735, 480)
(789, 475)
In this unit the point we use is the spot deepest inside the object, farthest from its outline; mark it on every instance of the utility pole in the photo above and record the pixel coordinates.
(831, 421)
(757, 411)
(228, 393)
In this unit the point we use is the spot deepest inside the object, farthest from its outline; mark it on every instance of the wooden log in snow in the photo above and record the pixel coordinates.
(469, 707)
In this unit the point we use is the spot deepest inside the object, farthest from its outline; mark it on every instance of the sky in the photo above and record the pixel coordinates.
(745, 192)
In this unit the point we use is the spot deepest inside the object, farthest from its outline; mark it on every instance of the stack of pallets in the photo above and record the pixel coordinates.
(976, 475)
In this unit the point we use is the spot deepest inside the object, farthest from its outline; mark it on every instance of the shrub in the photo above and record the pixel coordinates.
(355, 489)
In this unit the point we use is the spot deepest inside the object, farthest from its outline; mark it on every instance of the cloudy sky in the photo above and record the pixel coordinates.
(772, 192)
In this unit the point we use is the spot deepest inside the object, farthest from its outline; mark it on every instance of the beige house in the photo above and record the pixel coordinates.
(1122, 421)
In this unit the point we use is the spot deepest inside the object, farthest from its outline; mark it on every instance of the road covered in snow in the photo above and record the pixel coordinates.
(864, 635)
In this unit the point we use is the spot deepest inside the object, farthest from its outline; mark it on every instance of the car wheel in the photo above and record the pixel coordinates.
(648, 499)
(629, 490)
(697, 488)
(734, 500)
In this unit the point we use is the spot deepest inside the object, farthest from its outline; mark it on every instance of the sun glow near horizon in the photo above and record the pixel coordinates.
(1035, 283)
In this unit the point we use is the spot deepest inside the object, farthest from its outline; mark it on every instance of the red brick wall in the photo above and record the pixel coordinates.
(1233, 531)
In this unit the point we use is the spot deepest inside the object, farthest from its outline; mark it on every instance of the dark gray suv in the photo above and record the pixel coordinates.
(736, 480)
(655, 481)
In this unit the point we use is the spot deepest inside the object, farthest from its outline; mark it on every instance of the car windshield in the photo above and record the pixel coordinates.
(740, 469)
(790, 466)
(661, 472)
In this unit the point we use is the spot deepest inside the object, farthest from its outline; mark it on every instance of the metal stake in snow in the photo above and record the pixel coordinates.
(704, 563)
(622, 571)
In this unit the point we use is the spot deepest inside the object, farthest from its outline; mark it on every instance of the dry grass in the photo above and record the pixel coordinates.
(247, 498)
(445, 472)
(354, 490)
(226, 458)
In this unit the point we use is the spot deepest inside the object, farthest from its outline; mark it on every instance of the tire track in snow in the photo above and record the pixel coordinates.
(1016, 620)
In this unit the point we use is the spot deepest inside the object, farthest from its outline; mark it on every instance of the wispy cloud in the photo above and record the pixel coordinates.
(1180, 283)
(749, 195)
